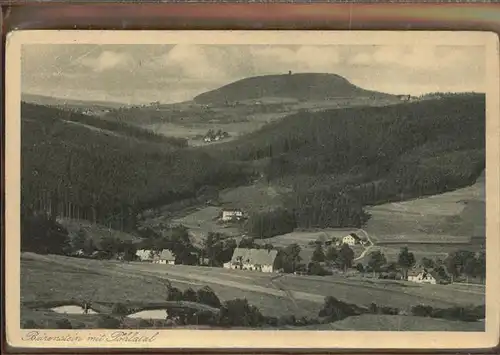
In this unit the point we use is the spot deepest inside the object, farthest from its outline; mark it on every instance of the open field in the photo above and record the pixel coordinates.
(304, 237)
(205, 220)
(252, 198)
(430, 217)
(431, 226)
(109, 282)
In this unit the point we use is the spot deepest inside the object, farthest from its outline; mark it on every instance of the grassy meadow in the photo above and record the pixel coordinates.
(108, 282)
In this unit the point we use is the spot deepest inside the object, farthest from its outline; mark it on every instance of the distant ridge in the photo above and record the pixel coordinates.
(301, 86)
(62, 102)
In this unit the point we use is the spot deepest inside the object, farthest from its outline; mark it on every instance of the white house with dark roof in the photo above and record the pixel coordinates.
(253, 259)
(164, 257)
(422, 276)
(351, 239)
(231, 214)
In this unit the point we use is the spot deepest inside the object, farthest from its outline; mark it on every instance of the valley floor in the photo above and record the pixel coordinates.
(49, 278)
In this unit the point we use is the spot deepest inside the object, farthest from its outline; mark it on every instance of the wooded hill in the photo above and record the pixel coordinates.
(79, 172)
(368, 155)
(303, 86)
(337, 161)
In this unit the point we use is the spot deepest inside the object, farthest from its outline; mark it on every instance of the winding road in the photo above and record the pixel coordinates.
(367, 249)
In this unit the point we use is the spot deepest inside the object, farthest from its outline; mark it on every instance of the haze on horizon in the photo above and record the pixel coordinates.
(137, 74)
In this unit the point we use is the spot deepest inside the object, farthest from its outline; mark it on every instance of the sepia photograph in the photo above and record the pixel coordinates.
(310, 183)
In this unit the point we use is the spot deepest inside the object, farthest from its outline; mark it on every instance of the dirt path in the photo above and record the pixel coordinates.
(96, 129)
(367, 249)
(275, 281)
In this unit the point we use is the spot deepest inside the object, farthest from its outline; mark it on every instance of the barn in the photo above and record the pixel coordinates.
(253, 259)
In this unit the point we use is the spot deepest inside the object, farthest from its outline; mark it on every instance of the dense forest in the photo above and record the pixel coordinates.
(337, 161)
(78, 172)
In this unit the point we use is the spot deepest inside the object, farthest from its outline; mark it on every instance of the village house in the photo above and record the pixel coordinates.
(422, 276)
(165, 257)
(253, 259)
(351, 239)
(231, 215)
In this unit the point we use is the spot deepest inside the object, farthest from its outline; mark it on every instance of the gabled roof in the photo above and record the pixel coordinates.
(354, 235)
(231, 210)
(166, 255)
(254, 256)
(416, 271)
(424, 272)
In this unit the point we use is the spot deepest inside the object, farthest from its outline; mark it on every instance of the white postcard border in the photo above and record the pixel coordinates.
(177, 338)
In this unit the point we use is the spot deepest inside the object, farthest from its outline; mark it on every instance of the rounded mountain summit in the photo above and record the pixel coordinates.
(300, 86)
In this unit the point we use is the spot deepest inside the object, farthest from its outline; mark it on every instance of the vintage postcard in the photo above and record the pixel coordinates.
(252, 189)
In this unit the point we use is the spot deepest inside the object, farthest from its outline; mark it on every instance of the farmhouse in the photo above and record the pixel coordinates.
(231, 214)
(351, 239)
(253, 259)
(421, 276)
(165, 257)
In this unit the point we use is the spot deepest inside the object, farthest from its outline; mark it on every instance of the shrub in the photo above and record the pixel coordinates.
(317, 269)
(190, 295)
(389, 310)
(203, 318)
(287, 320)
(334, 310)
(63, 324)
(79, 325)
(174, 294)
(108, 322)
(271, 321)
(239, 312)
(145, 323)
(422, 311)
(466, 314)
(360, 267)
(119, 309)
(30, 324)
(207, 296)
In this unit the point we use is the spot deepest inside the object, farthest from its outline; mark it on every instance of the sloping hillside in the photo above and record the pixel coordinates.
(304, 86)
(89, 174)
(379, 322)
(453, 216)
(367, 156)
(46, 115)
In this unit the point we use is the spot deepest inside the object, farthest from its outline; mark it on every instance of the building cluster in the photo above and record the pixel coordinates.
(212, 136)
(229, 215)
(253, 259)
(164, 256)
(423, 276)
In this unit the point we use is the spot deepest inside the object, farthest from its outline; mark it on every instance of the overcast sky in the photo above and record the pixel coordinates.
(172, 73)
